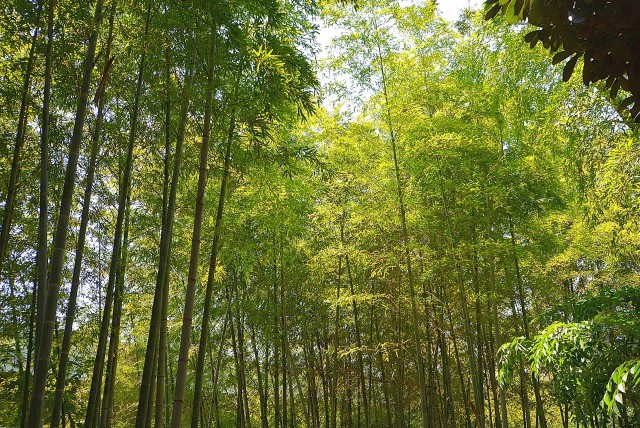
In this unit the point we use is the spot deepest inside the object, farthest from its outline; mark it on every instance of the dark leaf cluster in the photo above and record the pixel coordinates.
(605, 34)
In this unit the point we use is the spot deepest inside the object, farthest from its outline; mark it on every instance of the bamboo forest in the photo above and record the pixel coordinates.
(322, 214)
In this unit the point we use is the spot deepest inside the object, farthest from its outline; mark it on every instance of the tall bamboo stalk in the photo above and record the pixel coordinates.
(84, 222)
(187, 315)
(43, 214)
(215, 247)
(60, 237)
(92, 415)
(106, 413)
(23, 117)
(415, 326)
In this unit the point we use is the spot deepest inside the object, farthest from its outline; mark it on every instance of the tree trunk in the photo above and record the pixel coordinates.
(336, 344)
(239, 390)
(187, 317)
(15, 162)
(16, 329)
(276, 345)
(456, 354)
(27, 370)
(162, 347)
(473, 366)
(479, 393)
(312, 386)
(106, 414)
(204, 332)
(241, 352)
(383, 378)
(43, 216)
(361, 382)
(417, 336)
(61, 376)
(283, 341)
(449, 410)
(291, 376)
(324, 377)
(152, 389)
(62, 227)
(216, 367)
(294, 377)
(540, 414)
(502, 419)
(262, 392)
(41, 256)
(92, 415)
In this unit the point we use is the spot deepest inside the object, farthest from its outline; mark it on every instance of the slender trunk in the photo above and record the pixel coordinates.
(162, 357)
(383, 378)
(262, 393)
(216, 367)
(540, 414)
(477, 392)
(27, 370)
(162, 347)
(336, 344)
(239, 390)
(84, 222)
(152, 389)
(449, 411)
(243, 376)
(187, 317)
(370, 386)
(241, 352)
(92, 417)
(400, 416)
(310, 383)
(204, 332)
(267, 371)
(283, 342)
(417, 336)
(524, 394)
(431, 382)
(324, 377)
(62, 227)
(276, 346)
(41, 256)
(106, 417)
(294, 377)
(15, 162)
(234, 346)
(361, 382)
(106, 414)
(16, 329)
(312, 386)
(456, 354)
(43, 216)
(493, 381)
(502, 419)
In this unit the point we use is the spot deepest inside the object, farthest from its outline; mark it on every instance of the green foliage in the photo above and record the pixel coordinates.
(600, 337)
(623, 378)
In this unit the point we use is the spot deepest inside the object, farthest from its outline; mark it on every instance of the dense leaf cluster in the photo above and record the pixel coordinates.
(604, 34)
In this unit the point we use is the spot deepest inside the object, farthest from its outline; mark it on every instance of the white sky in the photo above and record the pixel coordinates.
(450, 9)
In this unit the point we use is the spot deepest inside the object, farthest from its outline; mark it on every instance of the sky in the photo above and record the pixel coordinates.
(450, 9)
